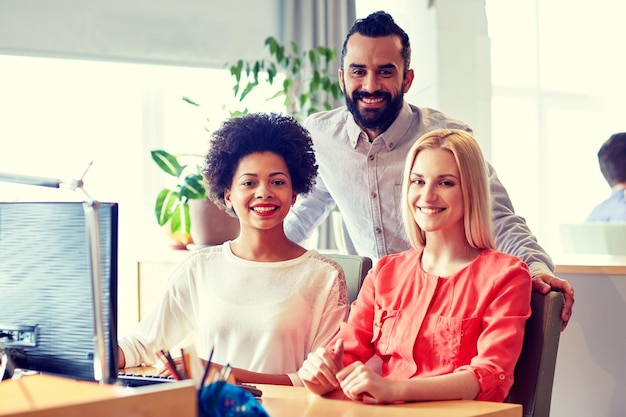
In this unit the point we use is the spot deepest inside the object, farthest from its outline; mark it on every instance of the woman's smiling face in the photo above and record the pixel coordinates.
(435, 191)
(261, 193)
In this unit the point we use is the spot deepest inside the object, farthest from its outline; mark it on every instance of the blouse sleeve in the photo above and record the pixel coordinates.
(503, 322)
(335, 311)
(164, 326)
(357, 332)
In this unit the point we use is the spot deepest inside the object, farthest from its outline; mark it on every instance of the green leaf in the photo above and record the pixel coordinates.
(190, 101)
(167, 162)
(294, 47)
(272, 44)
(192, 188)
(303, 99)
(235, 70)
(180, 220)
(297, 66)
(165, 202)
(314, 58)
(247, 90)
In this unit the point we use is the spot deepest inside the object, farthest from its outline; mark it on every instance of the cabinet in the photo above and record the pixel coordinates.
(152, 275)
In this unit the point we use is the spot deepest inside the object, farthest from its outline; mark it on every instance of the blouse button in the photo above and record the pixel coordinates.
(502, 377)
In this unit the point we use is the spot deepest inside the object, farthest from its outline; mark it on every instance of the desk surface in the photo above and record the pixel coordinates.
(51, 396)
(42, 395)
(281, 401)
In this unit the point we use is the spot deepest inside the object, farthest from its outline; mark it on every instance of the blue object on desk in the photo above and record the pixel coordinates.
(222, 399)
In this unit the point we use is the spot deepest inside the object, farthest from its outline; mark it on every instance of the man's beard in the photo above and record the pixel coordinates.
(375, 119)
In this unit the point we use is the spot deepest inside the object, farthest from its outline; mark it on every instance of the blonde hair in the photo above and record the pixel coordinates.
(477, 217)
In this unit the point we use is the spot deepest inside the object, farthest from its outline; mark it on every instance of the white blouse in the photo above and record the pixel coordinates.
(260, 316)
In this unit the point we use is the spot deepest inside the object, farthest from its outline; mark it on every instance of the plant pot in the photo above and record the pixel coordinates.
(210, 225)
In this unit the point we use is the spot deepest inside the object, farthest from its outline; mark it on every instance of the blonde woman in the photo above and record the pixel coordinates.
(447, 316)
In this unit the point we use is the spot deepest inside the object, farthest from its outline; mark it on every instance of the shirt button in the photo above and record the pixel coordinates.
(371, 157)
(378, 230)
(502, 377)
(374, 195)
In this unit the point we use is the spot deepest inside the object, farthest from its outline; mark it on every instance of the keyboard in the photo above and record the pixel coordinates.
(137, 380)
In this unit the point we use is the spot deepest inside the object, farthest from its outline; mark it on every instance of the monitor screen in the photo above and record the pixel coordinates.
(46, 304)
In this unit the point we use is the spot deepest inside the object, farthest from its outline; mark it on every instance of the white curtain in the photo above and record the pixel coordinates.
(317, 22)
(312, 23)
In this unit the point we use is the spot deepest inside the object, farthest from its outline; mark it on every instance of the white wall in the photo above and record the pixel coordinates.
(168, 32)
(590, 376)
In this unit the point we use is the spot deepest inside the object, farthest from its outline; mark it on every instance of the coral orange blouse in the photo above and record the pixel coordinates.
(423, 325)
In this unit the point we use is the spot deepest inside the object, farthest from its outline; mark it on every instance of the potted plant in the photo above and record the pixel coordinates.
(187, 200)
(307, 87)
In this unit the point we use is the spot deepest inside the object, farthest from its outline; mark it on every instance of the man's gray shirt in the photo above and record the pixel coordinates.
(364, 181)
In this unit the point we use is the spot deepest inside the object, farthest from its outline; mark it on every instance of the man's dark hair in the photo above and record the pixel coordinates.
(612, 159)
(376, 25)
(258, 132)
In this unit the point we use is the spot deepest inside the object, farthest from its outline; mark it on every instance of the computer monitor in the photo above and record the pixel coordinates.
(46, 305)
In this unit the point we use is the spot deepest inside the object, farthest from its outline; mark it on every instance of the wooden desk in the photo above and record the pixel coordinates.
(51, 396)
(281, 401)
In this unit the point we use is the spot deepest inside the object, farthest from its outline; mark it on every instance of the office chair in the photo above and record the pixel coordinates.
(355, 268)
(534, 372)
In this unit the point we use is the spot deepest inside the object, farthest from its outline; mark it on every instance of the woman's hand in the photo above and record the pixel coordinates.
(320, 367)
(358, 382)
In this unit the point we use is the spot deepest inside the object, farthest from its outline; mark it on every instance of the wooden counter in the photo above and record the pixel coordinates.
(51, 396)
(590, 264)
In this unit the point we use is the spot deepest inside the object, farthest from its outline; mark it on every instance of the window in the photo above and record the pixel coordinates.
(58, 115)
(558, 93)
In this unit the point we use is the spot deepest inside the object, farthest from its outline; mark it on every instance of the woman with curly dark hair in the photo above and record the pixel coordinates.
(261, 301)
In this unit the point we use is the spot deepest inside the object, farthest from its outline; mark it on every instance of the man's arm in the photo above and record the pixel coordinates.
(513, 236)
(308, 213)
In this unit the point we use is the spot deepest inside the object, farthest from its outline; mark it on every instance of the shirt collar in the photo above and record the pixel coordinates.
(621, 192)
(390, 136)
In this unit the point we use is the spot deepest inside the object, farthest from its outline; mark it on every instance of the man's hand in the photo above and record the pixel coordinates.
(543, 283)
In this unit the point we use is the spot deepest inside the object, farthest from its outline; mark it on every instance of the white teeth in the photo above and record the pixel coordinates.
(372, 100)
(264, 209)
(430, 210)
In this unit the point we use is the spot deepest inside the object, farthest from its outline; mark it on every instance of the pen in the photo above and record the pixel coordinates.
(207, 367)
(185, 359)
(169, 363)
(226, 372)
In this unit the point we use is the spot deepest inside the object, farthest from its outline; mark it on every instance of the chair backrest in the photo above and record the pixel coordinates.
(594, 238)
(355, 268)
(534, 372)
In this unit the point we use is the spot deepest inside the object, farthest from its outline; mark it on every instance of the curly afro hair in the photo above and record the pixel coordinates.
(258, 132)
